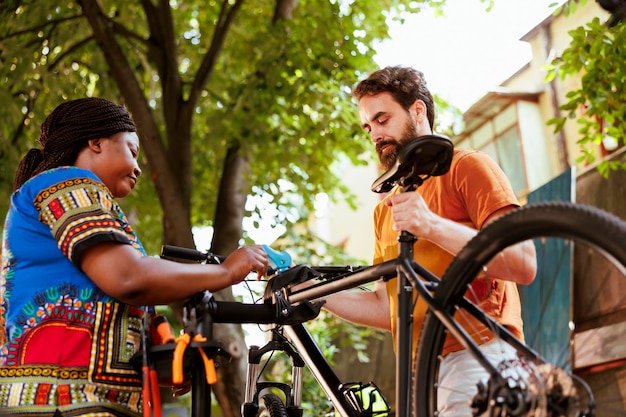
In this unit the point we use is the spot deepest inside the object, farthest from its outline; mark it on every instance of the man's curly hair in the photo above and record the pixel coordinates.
(405, 84)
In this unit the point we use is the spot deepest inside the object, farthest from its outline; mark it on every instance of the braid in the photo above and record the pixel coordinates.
(29, 162)
(68, 129)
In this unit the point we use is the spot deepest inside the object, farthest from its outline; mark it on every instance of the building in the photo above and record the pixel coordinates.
(510, 123)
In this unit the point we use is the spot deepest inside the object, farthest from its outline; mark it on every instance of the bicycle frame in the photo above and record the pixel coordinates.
(411, 276)
(408, 272)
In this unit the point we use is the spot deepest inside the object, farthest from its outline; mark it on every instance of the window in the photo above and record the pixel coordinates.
(509, 151)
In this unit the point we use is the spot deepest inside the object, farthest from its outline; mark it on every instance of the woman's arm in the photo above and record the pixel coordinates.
(118, 270)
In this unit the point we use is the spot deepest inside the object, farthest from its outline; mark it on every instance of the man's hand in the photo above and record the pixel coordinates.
(410, 213)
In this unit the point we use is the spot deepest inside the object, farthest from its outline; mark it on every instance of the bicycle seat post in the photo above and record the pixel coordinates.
(404, 332)
(404, 320)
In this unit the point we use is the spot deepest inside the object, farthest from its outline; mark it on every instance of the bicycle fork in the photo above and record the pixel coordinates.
(293, 392)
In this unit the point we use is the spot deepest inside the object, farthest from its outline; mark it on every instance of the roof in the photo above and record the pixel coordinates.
(491, 104)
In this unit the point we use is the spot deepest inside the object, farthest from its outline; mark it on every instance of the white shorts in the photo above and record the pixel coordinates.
(459, 373)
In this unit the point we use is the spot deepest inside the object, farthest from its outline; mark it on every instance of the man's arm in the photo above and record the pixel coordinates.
(362, 307)
(518, 263)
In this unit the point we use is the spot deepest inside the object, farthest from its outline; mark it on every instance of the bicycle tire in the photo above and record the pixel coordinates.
(275, 406)
(589, 228)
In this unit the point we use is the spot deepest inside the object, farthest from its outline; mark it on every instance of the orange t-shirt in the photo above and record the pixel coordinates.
(473, 189)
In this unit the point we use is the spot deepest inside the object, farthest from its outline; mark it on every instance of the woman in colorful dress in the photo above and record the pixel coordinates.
(75, 280)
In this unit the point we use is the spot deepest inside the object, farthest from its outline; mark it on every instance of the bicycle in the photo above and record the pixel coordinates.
(524, 385)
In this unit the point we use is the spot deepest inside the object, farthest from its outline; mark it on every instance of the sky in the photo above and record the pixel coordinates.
(469, 51)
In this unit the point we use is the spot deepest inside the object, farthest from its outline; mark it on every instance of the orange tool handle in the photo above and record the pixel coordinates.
(209, 368)
(162, 329)
(209, 364)
(155, 393)
(147, 412)
(177, 362)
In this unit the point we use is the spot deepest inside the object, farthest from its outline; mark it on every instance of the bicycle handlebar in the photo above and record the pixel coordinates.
(279, 261)
(240, 313)
(301, 304)
(263, 313)
(170, 251)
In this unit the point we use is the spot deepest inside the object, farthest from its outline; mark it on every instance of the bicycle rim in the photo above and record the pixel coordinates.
(581, 251)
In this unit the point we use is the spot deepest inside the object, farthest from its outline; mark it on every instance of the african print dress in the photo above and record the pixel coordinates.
(68, 345)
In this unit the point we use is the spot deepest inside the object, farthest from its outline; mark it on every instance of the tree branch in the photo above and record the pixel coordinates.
(173, 101)
(217, 42)
(123, 30)
(164, 179)
(69, 51)
(283, 10)
(40, 27)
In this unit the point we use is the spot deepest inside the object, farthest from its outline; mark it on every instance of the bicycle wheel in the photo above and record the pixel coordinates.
(571, 311)
(274, 406)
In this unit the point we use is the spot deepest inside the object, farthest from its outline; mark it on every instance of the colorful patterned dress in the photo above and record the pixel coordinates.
(69, 345)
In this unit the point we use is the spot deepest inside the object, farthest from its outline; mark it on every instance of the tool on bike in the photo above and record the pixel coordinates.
(279, 261)
(181, 345)
(150, 390)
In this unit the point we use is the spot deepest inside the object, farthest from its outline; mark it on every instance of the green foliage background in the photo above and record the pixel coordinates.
(280, 90)
(597, 104)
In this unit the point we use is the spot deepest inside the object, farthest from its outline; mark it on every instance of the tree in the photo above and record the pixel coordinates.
(226, 95)
(596, 56)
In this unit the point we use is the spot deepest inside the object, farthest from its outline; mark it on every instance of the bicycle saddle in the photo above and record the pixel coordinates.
(423, 157)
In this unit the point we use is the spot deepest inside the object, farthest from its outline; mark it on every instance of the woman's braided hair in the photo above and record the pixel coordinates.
(67, 130)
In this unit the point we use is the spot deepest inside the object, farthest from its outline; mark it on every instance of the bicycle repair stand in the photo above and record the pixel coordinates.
(177, 362)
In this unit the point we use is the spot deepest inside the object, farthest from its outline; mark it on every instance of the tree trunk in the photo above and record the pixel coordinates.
(227, 232)
(174, 194)
(170, 166)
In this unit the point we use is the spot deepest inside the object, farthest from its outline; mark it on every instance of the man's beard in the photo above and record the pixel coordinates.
(388, 157)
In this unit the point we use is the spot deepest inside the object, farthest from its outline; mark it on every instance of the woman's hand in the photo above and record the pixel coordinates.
(246, 259)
